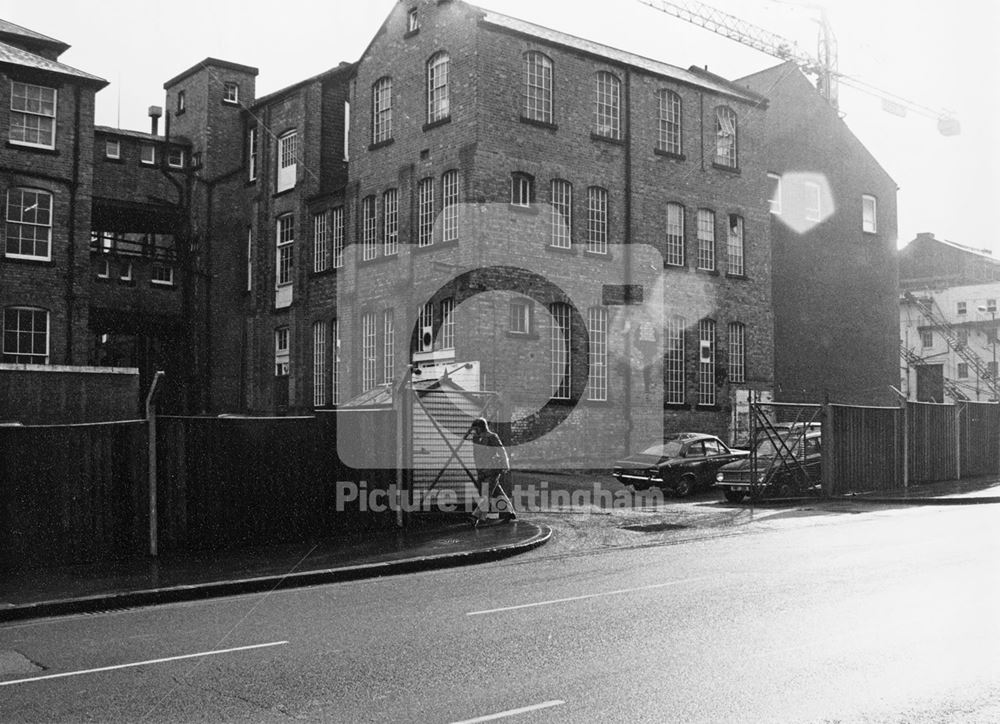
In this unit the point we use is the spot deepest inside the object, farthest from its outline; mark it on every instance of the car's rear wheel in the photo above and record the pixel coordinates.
(734, 496)
(786, 490)
(685, 486)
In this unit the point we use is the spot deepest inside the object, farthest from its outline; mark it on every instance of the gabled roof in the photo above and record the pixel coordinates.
(15, 32)
(927, 238)
(342, 67)
(12, 55)
(706, 81)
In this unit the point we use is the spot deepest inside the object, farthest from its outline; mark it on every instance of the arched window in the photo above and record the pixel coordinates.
(537, 87)
(438, 106)
(669, 139)
(382, 110)
(608, 105)
(674, 255)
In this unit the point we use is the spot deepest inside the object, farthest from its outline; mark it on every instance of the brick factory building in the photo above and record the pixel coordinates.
(584, 231)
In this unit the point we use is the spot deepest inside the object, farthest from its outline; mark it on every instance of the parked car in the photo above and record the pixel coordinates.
(780, 428)
(683, 462)
(785, 466)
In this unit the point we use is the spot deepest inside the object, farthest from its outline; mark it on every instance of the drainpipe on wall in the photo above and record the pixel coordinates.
(74, 186)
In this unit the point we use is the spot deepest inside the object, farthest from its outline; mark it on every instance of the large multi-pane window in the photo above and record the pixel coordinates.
(561, 357)
(675, 235)
(390, 222)
(32, 115)
(368, 352)
(382, 110)
(321, 241)
(735, 246)
(706, 239)
(337, 236)
(388, 345)
(706, 362)
(288, 152)
(562, 214)
(725, 137)
(597, 327)
(449, 206)
(368, 221)
(335, 371)
(29, 224)
(425, 212)
(448, 324)
(537, 87)
(673, 361)
(737, 352)
(438, 104)
(607, 109)
(597, 220)
(319, 364)
(25, 336)
(285, 245)
(669, 137)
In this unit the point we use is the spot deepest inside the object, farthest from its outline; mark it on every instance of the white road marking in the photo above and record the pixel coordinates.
(581, 598)
(512, 712)
(142, 663)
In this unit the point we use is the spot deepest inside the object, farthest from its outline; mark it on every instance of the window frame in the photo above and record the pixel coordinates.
(521, 311)
(284, 247)
(337, 231)
(522, 190)
(425, 212)
(17, 333)
(450, 197)
(282, 351)
(382, 110)
(288, 162)
(38, 113)
(675, 241)
(561, 214)
(151, 148)
(252, 153)
(561, 351)
(24, 225)
(437, 76)
(774, 201)
(388, 345)
(448, 323)
(369, 227)
(110, 143)
(607, 105)
(322, 234)
(319, 336)
(737, 334)
(369, 341)
(390, 222)
(869, 221)
(538, 84)
(674, 362)
(726, 127)
(597, 219)
(706, 368)
(670, 137)
(597, 329)
(736, 247)
(705, 219)
(231, 92)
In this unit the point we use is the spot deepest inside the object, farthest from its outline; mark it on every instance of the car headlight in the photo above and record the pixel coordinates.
(761, 477)
(719, 477)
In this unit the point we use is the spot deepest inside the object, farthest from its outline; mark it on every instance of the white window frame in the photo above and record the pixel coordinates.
(337, 236)
(369, 334)
(282, 351)
(926, 338)
(425, 327)
(112, 148)
(288, 151)
(369, 221)
(774, 200)
(319, 330)
(252, 153)
(706, 239)
(231, 92)
(448, 323)
(521, 189)
(390, 222)
(670, 138)
(321, 240)
(438, 94)
(126, 273)
(181, 102)
(869, 214)
(537, 87)
(519, 317)
(412, 21)
(597, 328)
(674, 362)
(103, 268)
(33, 223)
(33, 111)
(607, 105)
(449, 205)
(597, 220)
(674, 251)
(736, 246)
(388, 345)
(706, 363)
(425, 212)
(147, 154)
(161, 274)
(17, 356)
(561, 214)
(726, 137)
(737, 352)
(382, 110)
(560, 346)
(175, 157)
(284, 265)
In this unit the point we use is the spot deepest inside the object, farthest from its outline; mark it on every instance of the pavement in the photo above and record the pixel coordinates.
(436, 544)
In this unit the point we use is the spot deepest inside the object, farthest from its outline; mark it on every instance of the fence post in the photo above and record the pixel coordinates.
(958, 442)
(151, 447)
(828, 454)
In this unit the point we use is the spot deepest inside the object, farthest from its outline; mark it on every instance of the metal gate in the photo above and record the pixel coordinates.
(444, 472)
(784, 458)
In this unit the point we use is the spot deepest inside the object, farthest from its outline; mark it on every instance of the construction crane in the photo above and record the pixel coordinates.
(823, 64)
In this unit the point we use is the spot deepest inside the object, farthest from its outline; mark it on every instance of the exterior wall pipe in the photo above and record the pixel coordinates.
(151, 471)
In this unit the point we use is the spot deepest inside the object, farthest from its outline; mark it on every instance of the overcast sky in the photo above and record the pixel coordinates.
(942, 55)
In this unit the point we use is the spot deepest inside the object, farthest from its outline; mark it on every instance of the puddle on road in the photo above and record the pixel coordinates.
(654, 527)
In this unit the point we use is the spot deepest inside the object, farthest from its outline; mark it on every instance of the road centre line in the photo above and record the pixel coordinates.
(512, 712)
(142, 663)
(584, 597)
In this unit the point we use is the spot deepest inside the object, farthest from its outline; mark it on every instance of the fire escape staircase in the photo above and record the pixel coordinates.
(929, 308)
